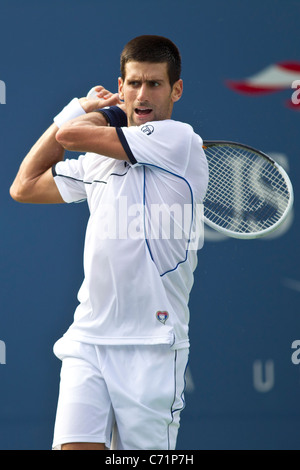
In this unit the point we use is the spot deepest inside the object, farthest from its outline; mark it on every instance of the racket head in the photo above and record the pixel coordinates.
(249, 195)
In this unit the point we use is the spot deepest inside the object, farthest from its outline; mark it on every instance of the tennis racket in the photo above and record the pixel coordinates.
(249, 195)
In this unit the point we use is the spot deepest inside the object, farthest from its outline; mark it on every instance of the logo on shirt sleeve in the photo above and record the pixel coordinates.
(147, 129)
(162, 316)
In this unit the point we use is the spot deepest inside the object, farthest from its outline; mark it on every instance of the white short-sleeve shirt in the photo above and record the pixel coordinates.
(139, 257)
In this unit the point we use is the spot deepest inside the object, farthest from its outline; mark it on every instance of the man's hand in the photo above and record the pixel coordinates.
(105, 98)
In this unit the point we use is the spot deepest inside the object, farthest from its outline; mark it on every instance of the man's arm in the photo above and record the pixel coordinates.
(34, 182)
(87, 134)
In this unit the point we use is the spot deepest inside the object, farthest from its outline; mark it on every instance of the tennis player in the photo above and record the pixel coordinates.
(125, 355)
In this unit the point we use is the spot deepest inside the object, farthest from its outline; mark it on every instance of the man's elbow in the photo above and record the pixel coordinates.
(66, 138)
(16, 194)
(61, 137)
(20, 192)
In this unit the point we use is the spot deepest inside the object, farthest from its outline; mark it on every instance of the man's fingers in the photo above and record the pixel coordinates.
(99, 92)
(111, 99)
(92, 104)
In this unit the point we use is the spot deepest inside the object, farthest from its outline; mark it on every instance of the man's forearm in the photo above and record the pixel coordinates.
(92, 118)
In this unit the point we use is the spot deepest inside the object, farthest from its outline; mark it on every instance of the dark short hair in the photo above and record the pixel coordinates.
(153, 49)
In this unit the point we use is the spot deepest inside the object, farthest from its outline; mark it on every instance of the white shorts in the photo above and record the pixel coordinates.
(135, 393)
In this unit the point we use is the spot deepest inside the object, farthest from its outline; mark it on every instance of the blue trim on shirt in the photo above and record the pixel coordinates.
(144, 203)
(133, 160)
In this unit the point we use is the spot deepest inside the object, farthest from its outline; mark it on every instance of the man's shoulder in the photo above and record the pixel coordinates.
(164, 128)
(172, 123)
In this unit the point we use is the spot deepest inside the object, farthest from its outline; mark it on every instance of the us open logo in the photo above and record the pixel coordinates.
(148, 129)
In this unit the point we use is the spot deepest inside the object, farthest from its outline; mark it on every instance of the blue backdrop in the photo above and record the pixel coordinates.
(243, 382)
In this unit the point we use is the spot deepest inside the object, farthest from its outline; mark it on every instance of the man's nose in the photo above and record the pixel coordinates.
(143, 92)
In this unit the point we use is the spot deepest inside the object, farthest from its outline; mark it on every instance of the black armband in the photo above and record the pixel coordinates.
(114, 116)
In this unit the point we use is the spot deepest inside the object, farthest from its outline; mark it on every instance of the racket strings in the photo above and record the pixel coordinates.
(246, 192)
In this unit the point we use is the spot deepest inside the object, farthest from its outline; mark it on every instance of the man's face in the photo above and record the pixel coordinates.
(147, 92)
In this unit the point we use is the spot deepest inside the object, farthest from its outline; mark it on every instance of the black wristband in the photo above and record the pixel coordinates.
(114, 115)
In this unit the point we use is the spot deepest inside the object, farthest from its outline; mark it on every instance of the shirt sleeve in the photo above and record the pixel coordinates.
(69, 178)
(162, 144)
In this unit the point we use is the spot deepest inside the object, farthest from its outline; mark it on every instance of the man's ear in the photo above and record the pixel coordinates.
(177, 90)
(120, 84)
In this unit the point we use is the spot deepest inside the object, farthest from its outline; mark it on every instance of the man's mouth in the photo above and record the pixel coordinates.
(143, 111)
